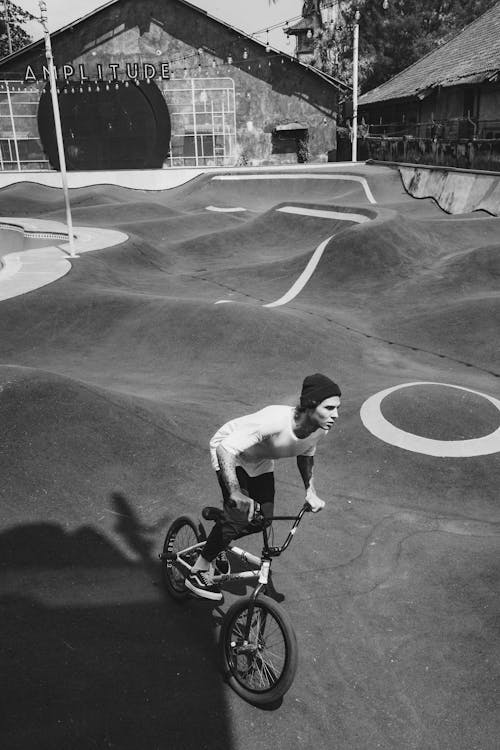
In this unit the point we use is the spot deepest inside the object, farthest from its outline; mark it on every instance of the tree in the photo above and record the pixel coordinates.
(393, 39)
(13, 35)
(390, 39)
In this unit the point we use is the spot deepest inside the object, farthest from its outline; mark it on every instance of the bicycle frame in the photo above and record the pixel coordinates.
(263, 562)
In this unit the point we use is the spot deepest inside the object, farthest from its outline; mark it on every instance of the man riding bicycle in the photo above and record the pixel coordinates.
(243, 453)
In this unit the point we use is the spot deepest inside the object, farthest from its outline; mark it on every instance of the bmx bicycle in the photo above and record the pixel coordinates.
(257, 640)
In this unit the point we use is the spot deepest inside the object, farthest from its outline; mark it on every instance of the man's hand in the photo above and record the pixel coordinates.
(314, 501)
(243, 503)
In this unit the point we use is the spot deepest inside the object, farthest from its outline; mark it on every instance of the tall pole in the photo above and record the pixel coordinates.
(6, 14)
(355, 53)
(57, 123)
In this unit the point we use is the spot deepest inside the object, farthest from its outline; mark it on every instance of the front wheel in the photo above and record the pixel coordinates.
(182, 537)
(259, 650)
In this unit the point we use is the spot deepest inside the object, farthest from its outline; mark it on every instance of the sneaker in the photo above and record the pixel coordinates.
(200, 583)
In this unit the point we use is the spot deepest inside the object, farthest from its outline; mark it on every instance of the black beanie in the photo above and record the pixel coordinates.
(316, 388)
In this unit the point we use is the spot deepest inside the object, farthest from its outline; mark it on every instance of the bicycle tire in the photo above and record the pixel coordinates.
(265, 675)
(182, 533)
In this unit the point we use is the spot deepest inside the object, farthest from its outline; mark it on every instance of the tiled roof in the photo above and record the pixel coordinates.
(471, 56)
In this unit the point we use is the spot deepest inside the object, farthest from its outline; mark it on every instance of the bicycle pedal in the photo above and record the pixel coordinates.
(222, 564)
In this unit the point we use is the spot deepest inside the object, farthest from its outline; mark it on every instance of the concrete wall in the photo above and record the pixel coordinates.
(270, 88)
(462, 153)
(139, 179)
(455, 191)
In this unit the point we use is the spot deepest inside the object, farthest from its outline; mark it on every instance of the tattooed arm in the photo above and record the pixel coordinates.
(227, 466)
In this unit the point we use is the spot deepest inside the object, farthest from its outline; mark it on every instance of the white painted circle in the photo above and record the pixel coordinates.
(377, 424)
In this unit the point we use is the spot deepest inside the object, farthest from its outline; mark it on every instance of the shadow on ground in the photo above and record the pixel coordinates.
(94, 655)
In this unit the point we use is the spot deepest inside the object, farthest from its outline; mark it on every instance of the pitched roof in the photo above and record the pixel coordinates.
(470, 57)
(303, 24)
(70, 26)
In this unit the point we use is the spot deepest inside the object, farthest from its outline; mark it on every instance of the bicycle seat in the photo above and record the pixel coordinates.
(210, 513)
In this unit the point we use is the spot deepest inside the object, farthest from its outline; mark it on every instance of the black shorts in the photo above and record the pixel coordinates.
(235, 523)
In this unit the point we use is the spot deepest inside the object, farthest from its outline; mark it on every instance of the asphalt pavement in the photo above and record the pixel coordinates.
(190, 306)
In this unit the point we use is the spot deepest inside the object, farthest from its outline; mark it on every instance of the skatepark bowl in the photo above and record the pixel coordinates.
(189, 306)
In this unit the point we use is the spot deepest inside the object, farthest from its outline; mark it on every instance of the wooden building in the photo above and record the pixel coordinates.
(458, 83)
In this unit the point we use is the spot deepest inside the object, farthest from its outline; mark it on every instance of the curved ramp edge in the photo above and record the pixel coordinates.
(456, 192)
(26, 270)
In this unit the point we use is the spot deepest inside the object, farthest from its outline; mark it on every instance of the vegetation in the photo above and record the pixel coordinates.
(390, 39)
(13, 35)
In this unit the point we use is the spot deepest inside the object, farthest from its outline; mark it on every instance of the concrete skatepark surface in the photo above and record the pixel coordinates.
(113, 378)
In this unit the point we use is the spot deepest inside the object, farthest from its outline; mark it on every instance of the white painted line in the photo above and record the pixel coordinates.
(225, 210)
(308, 271)
(375, 422)
(304, 276)
(316, 257)
(346, 178)
(323, 214)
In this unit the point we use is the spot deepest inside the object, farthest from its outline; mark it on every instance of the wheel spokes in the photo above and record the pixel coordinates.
(259, 660)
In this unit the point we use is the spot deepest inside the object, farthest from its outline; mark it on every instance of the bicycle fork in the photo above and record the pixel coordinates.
(261, 586)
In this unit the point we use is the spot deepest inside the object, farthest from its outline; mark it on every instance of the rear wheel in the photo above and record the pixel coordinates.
(184, 532)
(260, 666)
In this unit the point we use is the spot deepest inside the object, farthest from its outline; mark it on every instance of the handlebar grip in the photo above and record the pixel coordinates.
(258, 516)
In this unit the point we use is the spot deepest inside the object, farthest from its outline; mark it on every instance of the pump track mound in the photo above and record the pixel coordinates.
(227, 292)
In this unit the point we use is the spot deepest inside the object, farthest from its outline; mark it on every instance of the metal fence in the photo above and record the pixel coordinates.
(479, 153)
(460, 142)
(449, 129)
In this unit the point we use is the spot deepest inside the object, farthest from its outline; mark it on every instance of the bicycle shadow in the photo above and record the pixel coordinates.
(207, 615)
(135, 534)
(93, 653)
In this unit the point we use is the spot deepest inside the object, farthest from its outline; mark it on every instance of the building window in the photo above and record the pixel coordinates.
(203, 119)
(202, 113)
(20, 146)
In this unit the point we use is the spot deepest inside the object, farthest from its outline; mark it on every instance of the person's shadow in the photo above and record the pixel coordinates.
(93, 654)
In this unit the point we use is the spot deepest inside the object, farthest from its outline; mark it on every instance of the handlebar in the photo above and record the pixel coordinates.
(276, 551)
(261, 522)
(258, 516)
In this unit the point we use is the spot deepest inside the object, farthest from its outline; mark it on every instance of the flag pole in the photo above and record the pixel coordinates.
(57, 123)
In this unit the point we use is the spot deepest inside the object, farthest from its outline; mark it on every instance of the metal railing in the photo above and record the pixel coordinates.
(449, 128)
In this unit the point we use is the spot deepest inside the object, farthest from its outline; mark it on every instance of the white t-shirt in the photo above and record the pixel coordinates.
(257, 439)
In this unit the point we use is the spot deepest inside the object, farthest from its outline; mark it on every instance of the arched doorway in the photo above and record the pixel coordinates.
(107, 125)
